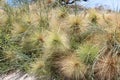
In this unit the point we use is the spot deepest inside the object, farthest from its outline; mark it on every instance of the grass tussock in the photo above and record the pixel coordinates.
(71, 68)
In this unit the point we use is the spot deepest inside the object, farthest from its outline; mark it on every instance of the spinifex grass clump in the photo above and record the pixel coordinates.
(93, 16)
(62, 12)
(107, 65)
(75, 22)
(71, 68)
(18, 28)
(56, 41)
(37, 67)
(74, 29)
(87, 53)
(10, 55)
(107, 68)
(32, 41)
(3, 17)
(67, 66)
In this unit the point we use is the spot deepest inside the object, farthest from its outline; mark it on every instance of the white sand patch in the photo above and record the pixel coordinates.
(17, 76)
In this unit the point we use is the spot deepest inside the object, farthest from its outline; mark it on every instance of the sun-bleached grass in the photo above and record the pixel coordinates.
(71, 68)
(107, 68)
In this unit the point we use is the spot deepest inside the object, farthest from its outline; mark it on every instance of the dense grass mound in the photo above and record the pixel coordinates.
(51, 41)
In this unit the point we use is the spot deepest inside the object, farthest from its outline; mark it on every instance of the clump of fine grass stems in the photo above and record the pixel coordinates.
(45, 38)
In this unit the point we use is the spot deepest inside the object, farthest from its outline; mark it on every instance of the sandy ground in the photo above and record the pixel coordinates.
(17, 76)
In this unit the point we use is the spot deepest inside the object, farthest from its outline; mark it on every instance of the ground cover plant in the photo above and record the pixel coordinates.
(52, 41)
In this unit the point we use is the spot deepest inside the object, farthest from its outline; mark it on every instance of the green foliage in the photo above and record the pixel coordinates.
(87, 53)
